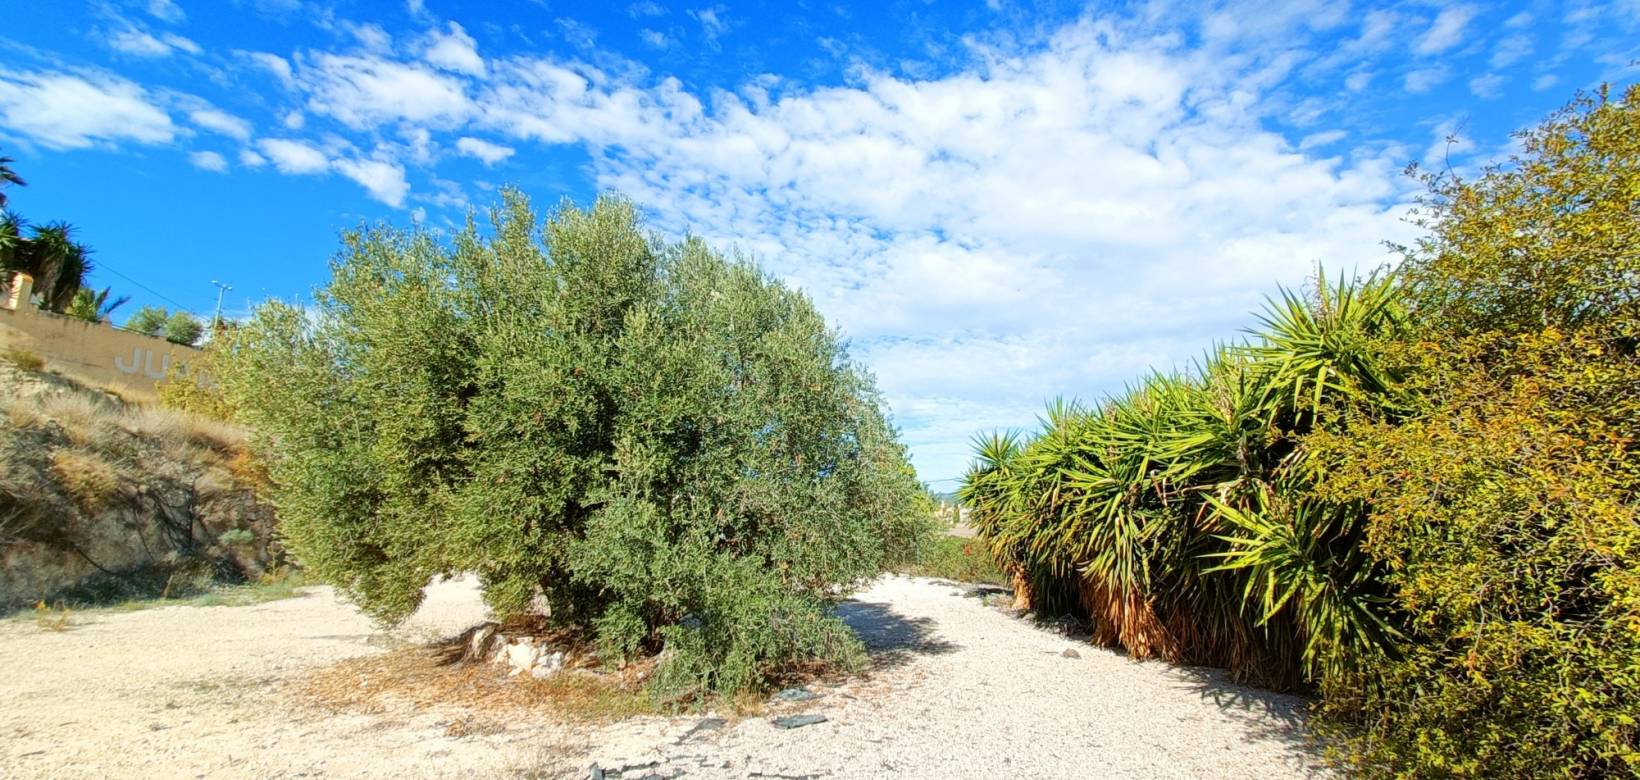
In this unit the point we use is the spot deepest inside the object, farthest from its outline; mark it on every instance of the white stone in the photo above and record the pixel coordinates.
(521, 655)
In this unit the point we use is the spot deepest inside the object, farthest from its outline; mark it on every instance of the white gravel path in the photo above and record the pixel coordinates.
(960, 690)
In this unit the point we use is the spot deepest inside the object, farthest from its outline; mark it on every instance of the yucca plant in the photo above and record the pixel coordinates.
(1157, 509)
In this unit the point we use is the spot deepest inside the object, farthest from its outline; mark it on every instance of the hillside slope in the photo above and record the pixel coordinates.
(102, 499)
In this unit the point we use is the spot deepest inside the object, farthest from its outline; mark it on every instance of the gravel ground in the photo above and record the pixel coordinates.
(959, 689)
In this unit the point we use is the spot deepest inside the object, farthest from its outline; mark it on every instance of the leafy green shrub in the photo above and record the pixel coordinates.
(148, 320)
(955, 558)
(667, 445)
(1506, 503)
(183, 328)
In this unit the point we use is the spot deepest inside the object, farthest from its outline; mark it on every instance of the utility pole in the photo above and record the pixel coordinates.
(221, 289)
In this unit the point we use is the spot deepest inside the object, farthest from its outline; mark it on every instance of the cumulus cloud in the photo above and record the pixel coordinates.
(67, 111)
(488, 153)
(455, 50)
(210, 161)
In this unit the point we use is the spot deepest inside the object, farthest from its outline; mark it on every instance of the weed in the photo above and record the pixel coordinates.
(24, 360)
(56, 618)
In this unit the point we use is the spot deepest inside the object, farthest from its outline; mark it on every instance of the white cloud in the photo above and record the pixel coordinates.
(138, 43)
(1544, 82)
(1322, 139)
(294, 120)
(272, 63)
(222, 122)
(654, 38)
(179, 42)
(210, 161)
(454, 50)
(383, 180)
(1487, 87)
(250, 159)
(489, 153)
(64, 111)
(361, 91)
(1424, 79)
(646, 8)
(1511, 50)
(712, 23)
(372, 37)
(165, 10)
(1358, 81)
(1447, 29)
(293, 156)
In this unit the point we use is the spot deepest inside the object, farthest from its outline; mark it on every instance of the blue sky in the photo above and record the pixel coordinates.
(997, 202)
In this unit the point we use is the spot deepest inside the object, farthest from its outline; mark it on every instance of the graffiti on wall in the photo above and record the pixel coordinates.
(142, 359)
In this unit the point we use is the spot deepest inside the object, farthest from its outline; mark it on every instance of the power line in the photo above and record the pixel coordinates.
(100, 265)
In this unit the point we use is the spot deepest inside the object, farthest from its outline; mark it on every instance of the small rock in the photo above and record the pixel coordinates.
(1071, 653)
(798, 721)
(595, 772)
(521, 655)
(547, 664)
(479, 644)
(706, 724)
(796, 694)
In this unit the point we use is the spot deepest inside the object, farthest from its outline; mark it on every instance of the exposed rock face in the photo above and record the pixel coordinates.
(101, 497)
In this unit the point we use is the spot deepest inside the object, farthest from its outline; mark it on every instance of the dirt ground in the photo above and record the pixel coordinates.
(958, 689)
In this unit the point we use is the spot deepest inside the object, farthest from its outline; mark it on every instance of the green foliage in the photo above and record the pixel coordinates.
(183, 328)
(1507, 503)
(1417, 492)
(8, 178)
(51, 256)
(148, 320)
(666, 445)
(93, 306)
(955, 558)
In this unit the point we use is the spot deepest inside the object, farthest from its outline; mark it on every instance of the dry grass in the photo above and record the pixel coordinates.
(89, 422)
(180, 430)
(24, 360)
(90, 480)
(425, 677)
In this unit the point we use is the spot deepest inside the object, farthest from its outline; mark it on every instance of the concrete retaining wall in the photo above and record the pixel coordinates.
(97, 354)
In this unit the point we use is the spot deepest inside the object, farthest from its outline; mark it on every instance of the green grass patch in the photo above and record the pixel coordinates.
(956, 558)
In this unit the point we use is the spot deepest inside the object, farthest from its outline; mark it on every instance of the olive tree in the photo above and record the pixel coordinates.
(667, 446)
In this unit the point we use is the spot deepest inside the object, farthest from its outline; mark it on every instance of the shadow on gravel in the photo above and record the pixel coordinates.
(1266, 714)
(891, 638)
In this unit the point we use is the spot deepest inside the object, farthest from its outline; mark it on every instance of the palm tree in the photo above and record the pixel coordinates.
(57, 262)
(11, 239)
(94, 306)
(8, 177)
